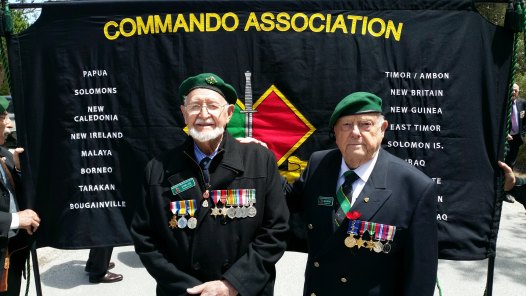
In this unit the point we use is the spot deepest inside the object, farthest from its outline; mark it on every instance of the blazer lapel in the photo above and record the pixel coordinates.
(324, 215)
(374, 194)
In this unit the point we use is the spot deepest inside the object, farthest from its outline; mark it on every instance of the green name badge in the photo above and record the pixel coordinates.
(183, 186)
(325, 201)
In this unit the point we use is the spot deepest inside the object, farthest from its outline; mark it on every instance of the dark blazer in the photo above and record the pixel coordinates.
(242, 251)
(5, 216)
(20, 241)
(396, 194)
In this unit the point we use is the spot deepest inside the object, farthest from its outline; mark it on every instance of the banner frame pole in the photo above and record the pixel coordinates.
(489, 280)
(36, 269)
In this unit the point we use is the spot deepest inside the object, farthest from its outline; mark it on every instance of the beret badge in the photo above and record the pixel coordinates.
(211, 80)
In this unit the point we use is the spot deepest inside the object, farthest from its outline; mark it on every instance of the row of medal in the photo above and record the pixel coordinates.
(237, 203)
(382, 233)
(182, 208)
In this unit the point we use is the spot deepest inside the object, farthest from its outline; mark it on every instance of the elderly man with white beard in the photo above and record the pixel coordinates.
(213, 218)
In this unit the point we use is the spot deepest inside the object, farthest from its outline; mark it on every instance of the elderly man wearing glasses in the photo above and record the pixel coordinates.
(213, 218)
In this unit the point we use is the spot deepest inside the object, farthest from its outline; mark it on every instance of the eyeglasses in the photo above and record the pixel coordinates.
(363, 126)
(213, 109)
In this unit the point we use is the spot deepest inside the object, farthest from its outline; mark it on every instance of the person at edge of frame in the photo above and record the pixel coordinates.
(213, 218)
(16, 225)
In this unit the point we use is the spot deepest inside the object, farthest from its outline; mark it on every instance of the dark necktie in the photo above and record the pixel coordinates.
(344, 196)
(204, 164)
(514, 123)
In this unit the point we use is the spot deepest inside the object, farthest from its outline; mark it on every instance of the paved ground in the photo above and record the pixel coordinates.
(62, 271)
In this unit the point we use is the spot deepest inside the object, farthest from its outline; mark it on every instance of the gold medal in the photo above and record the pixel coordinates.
(173, 222)
(350, 242)
(370, 244)
(360, 242)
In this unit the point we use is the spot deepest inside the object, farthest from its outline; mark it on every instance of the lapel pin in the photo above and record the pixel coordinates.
(366, 199)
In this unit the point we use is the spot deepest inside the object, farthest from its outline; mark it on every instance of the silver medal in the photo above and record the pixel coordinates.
(252, 211)
(192, 223)
(182, 222)
(244, 212)
(386, 248)
(231, 212)
(239, 212)
(378, 247)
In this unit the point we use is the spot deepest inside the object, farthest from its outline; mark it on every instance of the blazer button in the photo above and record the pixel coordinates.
(196, 266)
(343, 280)
(316, 264)
(226, 264)
(310, 226)
(312, 294)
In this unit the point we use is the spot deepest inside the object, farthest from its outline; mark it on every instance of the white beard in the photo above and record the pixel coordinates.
(206, 136)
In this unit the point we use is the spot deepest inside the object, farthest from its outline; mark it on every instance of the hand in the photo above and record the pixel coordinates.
(29, 220)
(252, 140)
(509, 176)
(16, 157)
(213, 288)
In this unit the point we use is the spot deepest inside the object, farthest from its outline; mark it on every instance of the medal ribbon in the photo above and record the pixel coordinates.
(230, 198)
(235, 193)
(379, 232)
(363, 227)
(216, 196)
(391, 233)
(251, 196)
(173, 207)
(353, 227)
(223, 197)
(372, 227)
(234, 196)
(182, 207)
(241, 196)
(191, 206)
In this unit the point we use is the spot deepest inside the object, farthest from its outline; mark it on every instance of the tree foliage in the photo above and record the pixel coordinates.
(20, 23)
(496, 14)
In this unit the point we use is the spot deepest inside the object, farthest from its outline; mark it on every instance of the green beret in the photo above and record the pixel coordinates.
(4, 103)
(356, 103)
(209, 81)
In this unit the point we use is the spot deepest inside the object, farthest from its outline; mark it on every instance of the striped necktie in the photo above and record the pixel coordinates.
(344, 196)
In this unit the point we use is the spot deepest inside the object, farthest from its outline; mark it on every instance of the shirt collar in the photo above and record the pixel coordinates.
(199, 155)
(363, 171)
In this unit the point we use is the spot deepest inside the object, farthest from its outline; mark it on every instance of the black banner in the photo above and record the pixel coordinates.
(95, 88)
